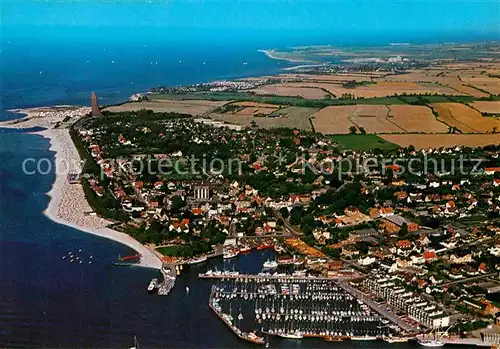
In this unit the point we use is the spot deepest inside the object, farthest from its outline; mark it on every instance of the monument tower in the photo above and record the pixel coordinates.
(95, 105)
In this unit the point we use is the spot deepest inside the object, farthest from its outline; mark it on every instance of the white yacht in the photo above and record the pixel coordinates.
(270, 264)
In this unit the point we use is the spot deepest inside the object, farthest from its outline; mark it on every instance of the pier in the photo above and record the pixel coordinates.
(169, 275)
(227, 319)
(232, 275)
(470, 342)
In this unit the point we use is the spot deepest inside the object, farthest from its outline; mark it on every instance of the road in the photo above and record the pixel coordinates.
(447, 250)
(467, 279)
(354, 265)
(287, 225)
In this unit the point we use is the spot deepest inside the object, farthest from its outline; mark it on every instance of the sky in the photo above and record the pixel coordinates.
(224, 18)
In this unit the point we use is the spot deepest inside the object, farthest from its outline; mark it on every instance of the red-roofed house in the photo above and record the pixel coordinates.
(404, 244)
(430, 256)
(483, 268)
(491, 170)
(197, 211)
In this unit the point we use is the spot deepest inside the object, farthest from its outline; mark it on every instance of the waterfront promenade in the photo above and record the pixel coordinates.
(382, 311)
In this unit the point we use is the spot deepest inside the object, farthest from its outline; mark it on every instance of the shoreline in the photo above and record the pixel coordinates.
(67, 203)
(53, 210)
(271, 54)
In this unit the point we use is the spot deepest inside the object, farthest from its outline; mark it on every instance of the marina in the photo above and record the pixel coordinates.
(295, 308)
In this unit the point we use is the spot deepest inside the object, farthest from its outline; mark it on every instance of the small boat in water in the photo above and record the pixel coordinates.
(265, 246)
(152, 285)
(364, 338)
(230, 253)
(136, 344)
(294, 335)
(270, 264)
(333, 339)
(431, 343)
(396, 339)
(197, 260)
(245, 249)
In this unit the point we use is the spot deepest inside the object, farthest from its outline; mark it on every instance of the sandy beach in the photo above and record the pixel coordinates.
(68, 204)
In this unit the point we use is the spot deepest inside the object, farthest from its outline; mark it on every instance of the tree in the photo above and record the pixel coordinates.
(296, 215)
(389, 176)
(363, 248)
(177, 203)
(284, 212)
(404, 230)
(352, 130)
(362, 130)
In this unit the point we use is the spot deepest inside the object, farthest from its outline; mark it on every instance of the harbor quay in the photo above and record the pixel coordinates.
(265, 277)
(383, 311)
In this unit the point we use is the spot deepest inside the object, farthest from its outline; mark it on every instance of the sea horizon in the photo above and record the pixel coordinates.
(116, 70)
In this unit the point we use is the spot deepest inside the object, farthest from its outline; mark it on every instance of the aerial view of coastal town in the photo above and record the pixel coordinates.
(285, 174)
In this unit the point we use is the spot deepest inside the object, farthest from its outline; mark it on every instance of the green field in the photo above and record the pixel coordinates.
(173, 251)
(363, 142)
(318, 103)
(280, 100)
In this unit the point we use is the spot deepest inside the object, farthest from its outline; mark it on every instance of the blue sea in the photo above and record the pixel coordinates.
(47, 302)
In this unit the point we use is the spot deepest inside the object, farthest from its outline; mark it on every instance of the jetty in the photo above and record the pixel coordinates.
(488, 340)
(228, 319)
(169, 276)
(263, 277)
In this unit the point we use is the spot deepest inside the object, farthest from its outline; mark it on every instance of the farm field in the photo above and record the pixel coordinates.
(422, 141)
(334, 119)
(363, 142)
(193, 107)
(415, 118)
(385, 88)
(292, 117)
(374, 119)
(464, 118)
(254, 108)
(438, 77)
(368, 90)
(255, 104)
(486, 83)
(492, 107)
(285, 90)
(377, 119)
